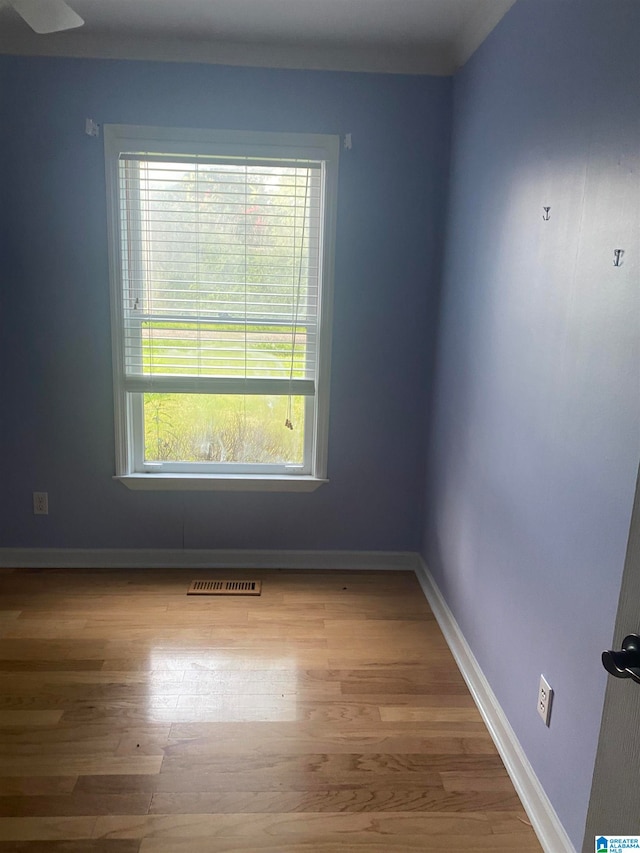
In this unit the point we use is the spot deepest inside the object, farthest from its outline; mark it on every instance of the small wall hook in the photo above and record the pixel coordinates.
(91, 128)
(546, 215)
(617, 260)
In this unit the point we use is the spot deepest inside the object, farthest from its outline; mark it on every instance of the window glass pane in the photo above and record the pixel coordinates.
(224, 349)
(223, 428)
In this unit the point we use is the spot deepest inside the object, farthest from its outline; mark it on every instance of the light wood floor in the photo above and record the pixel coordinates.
(325, 715)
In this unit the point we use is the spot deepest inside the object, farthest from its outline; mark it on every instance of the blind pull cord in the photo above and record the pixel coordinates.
(288, 422)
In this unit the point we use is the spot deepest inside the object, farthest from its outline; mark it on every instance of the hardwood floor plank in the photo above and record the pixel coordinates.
(403, 713)
(70, 805)
(404, 798)
(483, 779)
(428, 787)
(510, 822)
(72, 734)
(46, 828)
(217, 734)
(49, 665)
(26, 681)
(336, 712)
(27, 786)
(87, 845)
(195, 709)
(25, 649)
(45, 629)
(312, 765)
(207, 659)
(123, 784)
(305, 826)
(300, 743)
(211, 782)
(29, 718)
(442, 677)
(99, 746)
(414, 630)
(69, 765)
(355, 843)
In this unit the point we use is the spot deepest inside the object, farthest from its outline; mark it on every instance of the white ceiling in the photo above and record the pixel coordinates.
(402, 36)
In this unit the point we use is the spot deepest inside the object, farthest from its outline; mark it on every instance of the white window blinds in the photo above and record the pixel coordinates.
(220, 271)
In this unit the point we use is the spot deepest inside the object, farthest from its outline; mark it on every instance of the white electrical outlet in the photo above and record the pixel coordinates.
(545, 697)
(41, 503)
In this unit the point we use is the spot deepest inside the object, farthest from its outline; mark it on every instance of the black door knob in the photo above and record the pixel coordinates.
(626, 662)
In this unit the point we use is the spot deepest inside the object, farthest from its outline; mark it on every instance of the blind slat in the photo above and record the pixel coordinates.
(220, 385)
(257, 165)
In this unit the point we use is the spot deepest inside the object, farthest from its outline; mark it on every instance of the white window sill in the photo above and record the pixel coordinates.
(220, 483)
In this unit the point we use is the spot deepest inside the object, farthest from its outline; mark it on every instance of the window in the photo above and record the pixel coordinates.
(221, 248)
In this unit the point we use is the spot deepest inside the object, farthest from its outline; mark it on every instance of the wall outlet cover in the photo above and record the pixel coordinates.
(545, 698)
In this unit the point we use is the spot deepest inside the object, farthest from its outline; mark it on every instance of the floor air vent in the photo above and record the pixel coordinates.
(225, 588)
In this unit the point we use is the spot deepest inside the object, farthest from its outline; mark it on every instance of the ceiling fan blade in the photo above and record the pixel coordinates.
(47, 16)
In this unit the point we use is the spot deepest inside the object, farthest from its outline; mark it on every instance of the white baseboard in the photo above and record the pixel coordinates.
(545, 822)
(158, 558)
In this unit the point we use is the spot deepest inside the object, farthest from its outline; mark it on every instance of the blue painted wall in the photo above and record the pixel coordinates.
(55, 342)
(535, 436)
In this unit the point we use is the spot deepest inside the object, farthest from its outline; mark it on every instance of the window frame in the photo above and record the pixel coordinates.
(130, 469)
